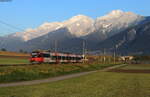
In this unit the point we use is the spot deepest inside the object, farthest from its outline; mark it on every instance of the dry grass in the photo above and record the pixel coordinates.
(32, 72)
(6, 53)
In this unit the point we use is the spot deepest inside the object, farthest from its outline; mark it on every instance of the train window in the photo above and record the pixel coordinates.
(72, 58)
(46, 55)
(59, 57)
(63, 58)
(54, 57)
(78, 58)
(69, 58)
(35, 55)
(39, 55)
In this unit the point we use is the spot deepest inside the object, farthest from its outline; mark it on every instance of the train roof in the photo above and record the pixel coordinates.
(48, 51)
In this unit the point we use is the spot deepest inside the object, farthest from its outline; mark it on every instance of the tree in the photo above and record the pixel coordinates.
(3, 49)
(21, 51)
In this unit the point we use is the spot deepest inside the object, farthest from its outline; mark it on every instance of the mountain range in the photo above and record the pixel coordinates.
(118, 30)
(133, 40)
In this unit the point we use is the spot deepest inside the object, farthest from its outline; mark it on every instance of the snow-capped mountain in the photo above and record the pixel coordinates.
(72, 32)
(81, 25)
(116, 21)
(78, 26)
(131, 41)
(30, 33)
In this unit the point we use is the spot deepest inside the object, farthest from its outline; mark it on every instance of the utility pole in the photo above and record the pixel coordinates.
(55, 45)
(114, 57)
(104, 57)
(115, 54)
(83, 50)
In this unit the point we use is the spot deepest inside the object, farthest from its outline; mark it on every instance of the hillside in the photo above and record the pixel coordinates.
(131, 41)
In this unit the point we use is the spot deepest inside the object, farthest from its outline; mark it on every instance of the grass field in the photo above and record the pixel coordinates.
(32, 72)
(6, 53)
(99, 84)
(12, 60)
(137, 67)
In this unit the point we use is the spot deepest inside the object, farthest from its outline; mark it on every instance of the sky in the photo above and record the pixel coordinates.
(23, 14)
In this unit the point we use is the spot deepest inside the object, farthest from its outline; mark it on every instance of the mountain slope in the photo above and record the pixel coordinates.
(116, 21)
(131, 41)
(64, 42)
(11, 44)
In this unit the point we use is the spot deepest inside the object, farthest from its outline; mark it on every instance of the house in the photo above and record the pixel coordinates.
(126, 58)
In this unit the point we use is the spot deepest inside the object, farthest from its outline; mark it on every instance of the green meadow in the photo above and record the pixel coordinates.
(99, 84)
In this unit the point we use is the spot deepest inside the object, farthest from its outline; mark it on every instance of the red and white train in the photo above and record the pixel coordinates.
(55, 57)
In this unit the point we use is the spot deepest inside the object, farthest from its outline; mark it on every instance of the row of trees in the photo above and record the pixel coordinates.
(21, 51)
(3, 49)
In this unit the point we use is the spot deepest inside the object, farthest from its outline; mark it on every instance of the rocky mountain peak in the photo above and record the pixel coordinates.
(82, 25)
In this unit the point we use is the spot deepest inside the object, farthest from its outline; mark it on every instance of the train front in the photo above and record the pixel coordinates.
(36, 57)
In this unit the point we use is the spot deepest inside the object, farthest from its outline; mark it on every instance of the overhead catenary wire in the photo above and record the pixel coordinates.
(11, 26)
(6, 29)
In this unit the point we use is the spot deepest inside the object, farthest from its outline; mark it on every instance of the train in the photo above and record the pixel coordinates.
(55, 57)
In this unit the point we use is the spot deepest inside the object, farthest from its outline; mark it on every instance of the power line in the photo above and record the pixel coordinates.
(6, 29)
(12, 26)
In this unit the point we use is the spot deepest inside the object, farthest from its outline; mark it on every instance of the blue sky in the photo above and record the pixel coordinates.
(32, 13)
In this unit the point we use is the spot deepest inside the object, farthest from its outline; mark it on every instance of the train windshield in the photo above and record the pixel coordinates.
(35, 55)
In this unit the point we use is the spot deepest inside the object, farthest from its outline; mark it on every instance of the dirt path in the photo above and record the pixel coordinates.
(55, 78)
(130, 71)
(113, 67)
